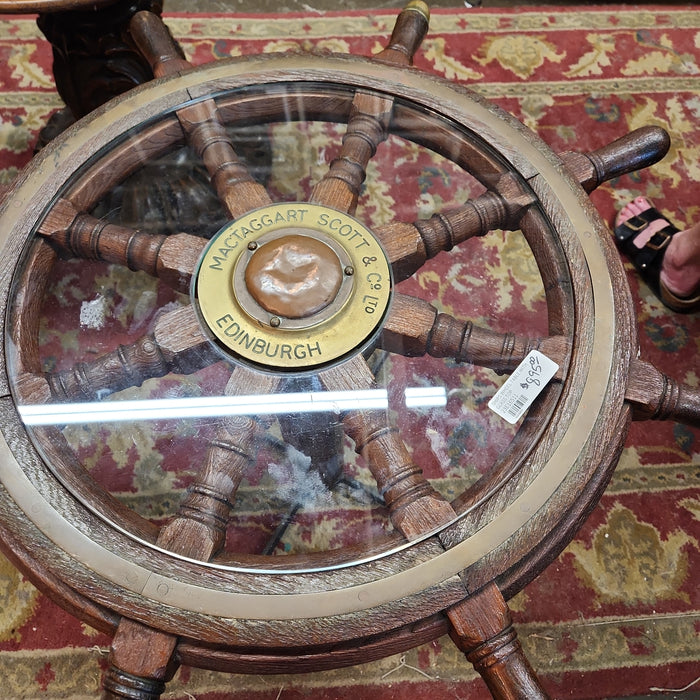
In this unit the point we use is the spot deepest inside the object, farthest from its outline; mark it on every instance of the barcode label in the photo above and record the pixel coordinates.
(523, 386)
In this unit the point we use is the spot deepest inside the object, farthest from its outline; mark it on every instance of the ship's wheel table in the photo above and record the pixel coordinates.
(258, 439)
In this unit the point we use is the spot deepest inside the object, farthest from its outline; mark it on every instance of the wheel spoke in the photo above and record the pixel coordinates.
(415, 507)
(199, 529)
(172, 259)
(235, 186)
(482, 628)
(407, 35)
(656, 396)
(367, 127)
(408, 246)
(176, 344)
(637, 150)
(319, 436)
(369, 118)
(414, 328)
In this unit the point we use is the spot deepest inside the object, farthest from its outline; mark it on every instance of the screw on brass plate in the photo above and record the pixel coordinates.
(275, 321)
(349, 270)
(252, 245)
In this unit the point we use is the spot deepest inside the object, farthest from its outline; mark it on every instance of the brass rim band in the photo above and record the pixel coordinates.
(591, 406)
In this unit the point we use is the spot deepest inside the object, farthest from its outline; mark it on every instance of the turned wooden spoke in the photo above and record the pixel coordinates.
(415, 507)
(482, 628)
(369, 118)
(170, 258)
(176, 344)
(367, 127)
(141, 660)
(656, 396)
(199, 529)
(234, 185)
(414, 327)
(407, 35)
(408, 246)
(634, 151)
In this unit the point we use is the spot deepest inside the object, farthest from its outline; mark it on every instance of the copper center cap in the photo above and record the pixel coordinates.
(294, 276)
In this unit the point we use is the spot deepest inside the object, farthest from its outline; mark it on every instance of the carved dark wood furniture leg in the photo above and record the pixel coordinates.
(93, 59)
(157, 467)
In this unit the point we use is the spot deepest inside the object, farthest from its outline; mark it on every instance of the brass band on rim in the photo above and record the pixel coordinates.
(577, 413)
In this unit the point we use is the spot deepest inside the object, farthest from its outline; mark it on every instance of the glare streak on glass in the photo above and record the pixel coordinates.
(424, 397)
(213, 406)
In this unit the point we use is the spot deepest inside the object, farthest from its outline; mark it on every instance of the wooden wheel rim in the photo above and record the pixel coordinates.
(573, 453)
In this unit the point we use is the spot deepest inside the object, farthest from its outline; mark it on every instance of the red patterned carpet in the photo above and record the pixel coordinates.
(618, 613)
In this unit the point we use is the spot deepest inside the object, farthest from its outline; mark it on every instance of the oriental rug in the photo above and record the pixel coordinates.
(618, 613)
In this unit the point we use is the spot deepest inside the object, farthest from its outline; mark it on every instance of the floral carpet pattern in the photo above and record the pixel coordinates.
(618, 613)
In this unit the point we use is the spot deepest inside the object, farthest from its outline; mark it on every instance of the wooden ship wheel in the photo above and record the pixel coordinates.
(259, 471)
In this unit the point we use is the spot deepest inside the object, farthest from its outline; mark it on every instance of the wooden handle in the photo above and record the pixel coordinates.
(409, 31)
(236, 188)
(369, 117)
(155, 43)
(141, 661)
(656, 396)
(482, 629)
(634, 151)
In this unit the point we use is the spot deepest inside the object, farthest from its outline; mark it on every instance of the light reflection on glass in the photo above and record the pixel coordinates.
(222, 406)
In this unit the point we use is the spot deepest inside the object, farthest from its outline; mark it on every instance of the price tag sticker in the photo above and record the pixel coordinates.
(523, 386)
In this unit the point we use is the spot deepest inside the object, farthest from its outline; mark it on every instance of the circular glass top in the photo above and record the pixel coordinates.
(308, 383)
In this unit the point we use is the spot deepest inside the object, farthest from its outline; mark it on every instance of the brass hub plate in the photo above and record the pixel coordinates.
(293, 286)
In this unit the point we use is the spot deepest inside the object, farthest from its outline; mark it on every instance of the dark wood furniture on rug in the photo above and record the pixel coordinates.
(303, 354)
(93, 58)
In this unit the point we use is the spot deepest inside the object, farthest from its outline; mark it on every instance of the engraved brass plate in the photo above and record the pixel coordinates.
(260, 320)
